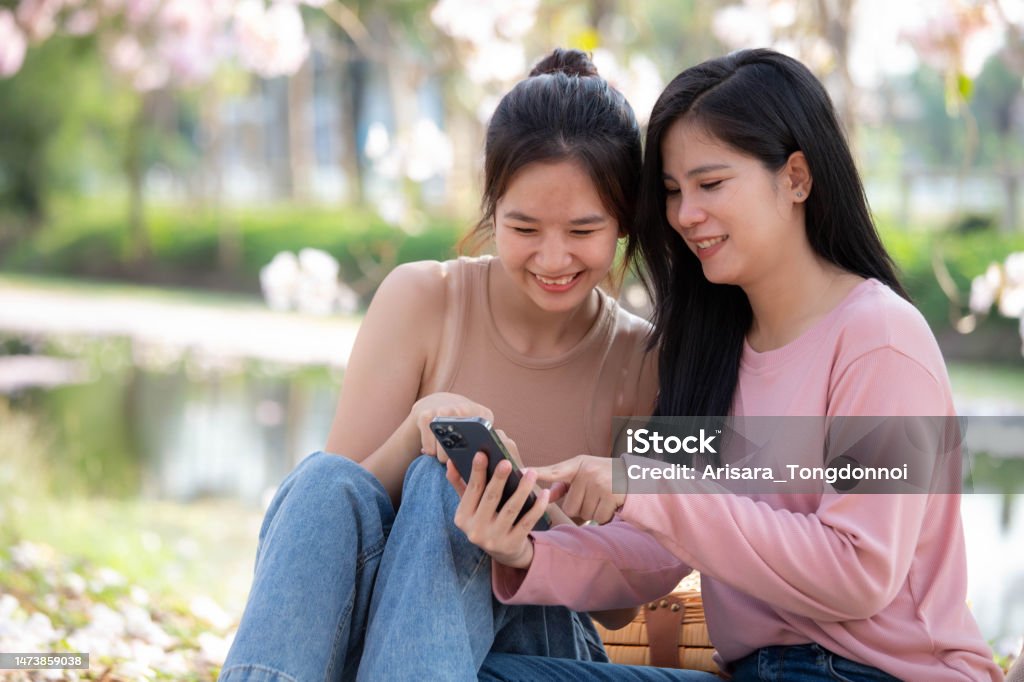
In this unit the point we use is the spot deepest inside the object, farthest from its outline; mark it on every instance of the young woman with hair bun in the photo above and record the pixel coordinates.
(360, 571)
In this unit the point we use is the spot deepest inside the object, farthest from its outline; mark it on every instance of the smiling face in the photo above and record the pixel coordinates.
(553, 235)
(741, 220)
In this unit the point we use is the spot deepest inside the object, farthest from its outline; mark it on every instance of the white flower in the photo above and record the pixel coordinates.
(138, 595)
(742, 26)
(1014, 268)
(133, 670)
(108, 577)
(983, 295)
(271, 41)
(106, 621)
(174, 664)
(214, 649)
(468, 20)
(377, 141)
(27, 555)
(1011, 302)
(40, 631)
(318, 265)
(206, 609)
(428, 152)
(317, 291)
(279, 280)
(12, 44)
(138, 623)
(75, 583)
(8, 607)
(496, 60)
(516, 18)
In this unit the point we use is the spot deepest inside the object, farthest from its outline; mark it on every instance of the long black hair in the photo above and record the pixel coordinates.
(766, 105)
(563, 111)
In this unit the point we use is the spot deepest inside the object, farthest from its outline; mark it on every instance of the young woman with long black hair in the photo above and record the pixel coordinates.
(774, 297)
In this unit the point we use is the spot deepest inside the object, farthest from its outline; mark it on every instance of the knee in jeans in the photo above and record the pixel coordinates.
(425, 471)
(426, 485)
(332, 475)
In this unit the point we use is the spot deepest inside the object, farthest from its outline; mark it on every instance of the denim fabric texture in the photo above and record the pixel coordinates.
(803, 663)
(500, 667)
(344, 588)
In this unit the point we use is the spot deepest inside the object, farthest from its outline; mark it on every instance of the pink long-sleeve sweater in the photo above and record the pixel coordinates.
(879, 579)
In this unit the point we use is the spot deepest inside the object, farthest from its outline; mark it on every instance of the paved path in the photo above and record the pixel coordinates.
(215, 329)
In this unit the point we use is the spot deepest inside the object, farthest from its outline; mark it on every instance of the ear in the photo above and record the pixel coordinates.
(796, 177)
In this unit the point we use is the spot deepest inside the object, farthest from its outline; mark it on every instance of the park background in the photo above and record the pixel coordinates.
(157, 378)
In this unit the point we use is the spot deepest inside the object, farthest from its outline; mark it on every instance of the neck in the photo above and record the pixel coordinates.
(793, 299)
(531, 330)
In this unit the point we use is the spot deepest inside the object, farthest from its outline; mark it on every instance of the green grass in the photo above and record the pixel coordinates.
(177, 551)
(1003, 383)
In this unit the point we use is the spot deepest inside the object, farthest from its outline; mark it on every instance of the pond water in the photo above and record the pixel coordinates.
(184, 428)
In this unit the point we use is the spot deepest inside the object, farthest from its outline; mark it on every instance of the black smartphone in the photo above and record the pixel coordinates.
(463, 437)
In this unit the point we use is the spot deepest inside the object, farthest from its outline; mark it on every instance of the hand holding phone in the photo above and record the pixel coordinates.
(495, 532)
(462, 437)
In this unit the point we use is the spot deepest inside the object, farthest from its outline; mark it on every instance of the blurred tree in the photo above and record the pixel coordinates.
(32, 110)
(162, 44)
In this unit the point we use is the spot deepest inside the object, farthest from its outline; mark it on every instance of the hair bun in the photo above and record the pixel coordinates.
(569, 62)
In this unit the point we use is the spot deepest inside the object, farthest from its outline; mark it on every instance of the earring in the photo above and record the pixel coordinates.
(799, 195)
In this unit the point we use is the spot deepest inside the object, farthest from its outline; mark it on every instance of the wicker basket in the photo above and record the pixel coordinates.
(680, 612)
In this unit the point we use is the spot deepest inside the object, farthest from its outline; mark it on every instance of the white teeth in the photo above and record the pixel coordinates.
(556, 282)
(705, 243)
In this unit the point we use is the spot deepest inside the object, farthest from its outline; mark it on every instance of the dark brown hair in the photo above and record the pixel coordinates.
(564, 111)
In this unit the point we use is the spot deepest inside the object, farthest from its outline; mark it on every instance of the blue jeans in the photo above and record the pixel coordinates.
(517, 668)
(803, 663)
(345, 588)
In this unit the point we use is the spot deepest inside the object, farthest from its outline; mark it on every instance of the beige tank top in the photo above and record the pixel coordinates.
(553, 408)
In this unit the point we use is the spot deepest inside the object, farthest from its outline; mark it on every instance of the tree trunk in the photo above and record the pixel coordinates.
(835, 19)
(138, 239)
(1011, 207)
(300, 136)
(353, 94)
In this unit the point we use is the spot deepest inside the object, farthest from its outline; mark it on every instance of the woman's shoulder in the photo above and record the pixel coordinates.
(416, 288)
(428, 278)
(875, 318)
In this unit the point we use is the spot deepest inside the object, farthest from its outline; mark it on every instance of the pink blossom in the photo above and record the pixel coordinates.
(81, 22)
(958, 36)
(12, 45)
(188, 43)
(138, 12)
(271, 42)
(39, 17)
(125, 55)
